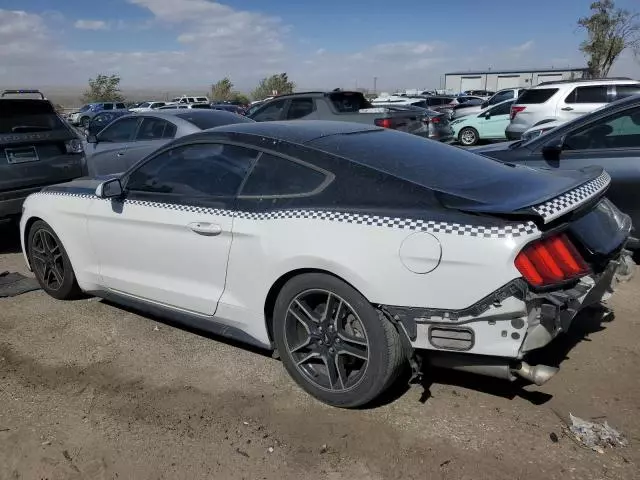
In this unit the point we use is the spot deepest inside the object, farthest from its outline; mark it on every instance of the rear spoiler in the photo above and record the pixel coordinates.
(558, 206)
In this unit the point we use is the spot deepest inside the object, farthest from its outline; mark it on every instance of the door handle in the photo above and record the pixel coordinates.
(120, 154)
(203, 228)
(567, 109)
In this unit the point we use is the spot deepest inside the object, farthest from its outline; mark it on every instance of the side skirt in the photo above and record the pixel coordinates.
(199, 322)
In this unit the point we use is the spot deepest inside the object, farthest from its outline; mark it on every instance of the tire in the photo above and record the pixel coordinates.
(358, 381)
(50, 263)
(468, 136)
(84, 122)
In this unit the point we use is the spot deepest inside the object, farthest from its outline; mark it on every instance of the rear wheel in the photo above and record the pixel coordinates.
(333, 342)
(50, 263)
(468, 136)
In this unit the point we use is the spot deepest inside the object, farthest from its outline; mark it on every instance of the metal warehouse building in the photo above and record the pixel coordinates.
(496, 80)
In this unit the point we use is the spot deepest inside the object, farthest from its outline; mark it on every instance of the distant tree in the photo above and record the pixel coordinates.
(610, 31)
(103, 88)
(279, 84)
(240, 97)
(222, 90)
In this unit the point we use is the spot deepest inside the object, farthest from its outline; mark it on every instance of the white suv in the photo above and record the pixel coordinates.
(564, 101)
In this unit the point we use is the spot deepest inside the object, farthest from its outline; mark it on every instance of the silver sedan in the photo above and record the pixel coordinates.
(130, 138)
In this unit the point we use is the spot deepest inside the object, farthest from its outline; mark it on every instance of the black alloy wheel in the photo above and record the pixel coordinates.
(50, 263)
(334, 343)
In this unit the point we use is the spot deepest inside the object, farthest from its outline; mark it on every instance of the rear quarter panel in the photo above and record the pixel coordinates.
(466, 267)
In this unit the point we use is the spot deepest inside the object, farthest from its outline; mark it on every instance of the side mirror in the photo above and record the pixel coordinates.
(92, 139)
(487, 115)
(551, 151)
(110, 189)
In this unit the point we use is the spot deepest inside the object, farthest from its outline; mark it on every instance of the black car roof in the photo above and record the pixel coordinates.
(295, 131)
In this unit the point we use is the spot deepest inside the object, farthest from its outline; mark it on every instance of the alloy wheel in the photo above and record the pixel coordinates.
(326, 340)
(47, 258)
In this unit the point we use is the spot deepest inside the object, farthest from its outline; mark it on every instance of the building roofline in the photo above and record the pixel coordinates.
(530, 70)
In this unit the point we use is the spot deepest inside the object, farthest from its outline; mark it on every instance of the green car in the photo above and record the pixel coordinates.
(489, 124)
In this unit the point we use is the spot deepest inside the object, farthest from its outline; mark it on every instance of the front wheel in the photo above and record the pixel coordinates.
(333, 343)
(468, 136)
(50, 263)
(84, 122)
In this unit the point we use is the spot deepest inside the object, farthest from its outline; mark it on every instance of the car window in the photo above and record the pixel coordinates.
(501, 97)
(348, 102)
(537, 95)
(588, 94)
(300, 107)
(204, 169)
(191, 100)
(107, 106)
(120, 105)
(120, 131)
(202, 99)
(623, 91)
(144, 105)
(276, 176)
(204, 119)
(155, 129)
(621, 130)
(503, 109)
(270, 112)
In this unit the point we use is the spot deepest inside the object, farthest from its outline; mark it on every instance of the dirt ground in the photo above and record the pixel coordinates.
(90, 390)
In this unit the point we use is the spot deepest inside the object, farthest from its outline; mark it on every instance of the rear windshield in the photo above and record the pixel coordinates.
(410, 157)
(537, 95)
(22, 116)
(349, 102)
(213, 118)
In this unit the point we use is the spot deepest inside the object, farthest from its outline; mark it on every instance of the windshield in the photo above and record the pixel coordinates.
(144, 105)
(85, 108)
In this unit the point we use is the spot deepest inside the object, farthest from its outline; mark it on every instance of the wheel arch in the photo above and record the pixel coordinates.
(25, 237)
(276, 287)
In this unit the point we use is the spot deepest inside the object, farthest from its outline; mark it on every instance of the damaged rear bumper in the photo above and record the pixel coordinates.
(493, 336)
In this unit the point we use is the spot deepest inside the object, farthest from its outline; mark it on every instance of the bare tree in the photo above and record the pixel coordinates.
(610, 31)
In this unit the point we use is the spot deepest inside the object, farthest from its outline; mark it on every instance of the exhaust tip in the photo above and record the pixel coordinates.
(539, 374)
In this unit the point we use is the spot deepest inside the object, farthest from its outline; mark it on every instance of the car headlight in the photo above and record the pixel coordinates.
(531, 135)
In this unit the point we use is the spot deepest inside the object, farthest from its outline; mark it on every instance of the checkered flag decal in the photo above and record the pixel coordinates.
(400, 223)
(566, 202)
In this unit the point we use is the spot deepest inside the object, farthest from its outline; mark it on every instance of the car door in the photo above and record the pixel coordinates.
(167, 241)
(152, 134)
(109, 153)
(582, 100)
(496, 121)
(612, 142)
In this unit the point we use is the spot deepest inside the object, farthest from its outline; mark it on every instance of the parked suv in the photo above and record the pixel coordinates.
(83, 116)
(37, 149)
(189, 99)
(565, 101)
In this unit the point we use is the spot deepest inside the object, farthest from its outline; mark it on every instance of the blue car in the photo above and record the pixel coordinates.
(84, 115)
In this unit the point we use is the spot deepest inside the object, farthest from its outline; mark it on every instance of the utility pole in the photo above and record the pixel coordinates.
(375, 85)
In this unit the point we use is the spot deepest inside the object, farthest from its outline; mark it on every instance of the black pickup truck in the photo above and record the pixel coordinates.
(344, 106)
(37, 148)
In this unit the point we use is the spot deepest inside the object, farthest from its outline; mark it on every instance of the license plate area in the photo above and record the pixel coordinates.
(21, 155)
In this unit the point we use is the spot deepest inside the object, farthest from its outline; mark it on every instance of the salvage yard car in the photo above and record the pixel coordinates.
(351, 249)
(37, 149)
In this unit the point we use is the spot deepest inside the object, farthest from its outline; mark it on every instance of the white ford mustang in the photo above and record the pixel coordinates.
(352, 250)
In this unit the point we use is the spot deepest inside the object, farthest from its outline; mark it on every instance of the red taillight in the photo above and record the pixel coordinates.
(549, 261)
(435, 120)
(384, 122)
(515, 111)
